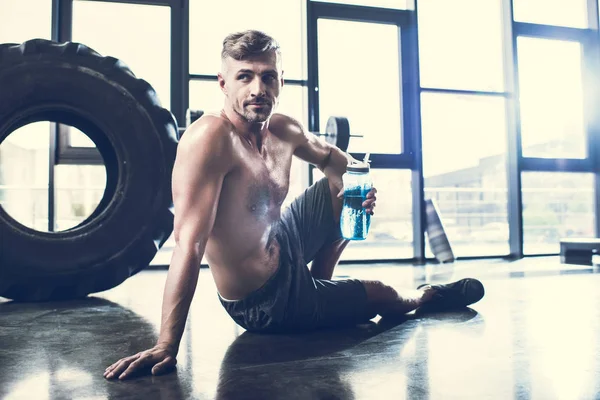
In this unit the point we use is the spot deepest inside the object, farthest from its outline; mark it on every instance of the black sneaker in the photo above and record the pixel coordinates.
(453, 296)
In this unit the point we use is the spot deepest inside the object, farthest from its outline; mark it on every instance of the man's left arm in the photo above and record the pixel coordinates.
(327, 158)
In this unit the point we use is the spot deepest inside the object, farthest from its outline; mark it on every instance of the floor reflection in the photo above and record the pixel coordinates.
(333, 364)
(62, 348)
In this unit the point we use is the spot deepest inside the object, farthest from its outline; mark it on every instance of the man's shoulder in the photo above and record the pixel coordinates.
(207, 140)
(285, 126)
(210, 129)
(210, 123)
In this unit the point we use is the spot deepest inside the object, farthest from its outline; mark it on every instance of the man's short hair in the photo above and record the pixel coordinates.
(246, 44)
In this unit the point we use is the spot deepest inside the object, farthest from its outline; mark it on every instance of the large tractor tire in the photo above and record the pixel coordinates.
(69, 83)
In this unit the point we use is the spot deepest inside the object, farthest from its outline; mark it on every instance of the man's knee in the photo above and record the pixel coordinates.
(379, 293)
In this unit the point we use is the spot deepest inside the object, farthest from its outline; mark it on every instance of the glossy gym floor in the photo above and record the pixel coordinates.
(535, 335)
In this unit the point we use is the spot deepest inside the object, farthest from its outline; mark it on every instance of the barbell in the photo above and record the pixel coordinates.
(337, 130)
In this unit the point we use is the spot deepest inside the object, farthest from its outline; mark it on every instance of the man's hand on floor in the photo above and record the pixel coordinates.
(161, 359)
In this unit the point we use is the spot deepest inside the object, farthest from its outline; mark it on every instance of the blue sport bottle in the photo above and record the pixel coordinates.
(355, 221)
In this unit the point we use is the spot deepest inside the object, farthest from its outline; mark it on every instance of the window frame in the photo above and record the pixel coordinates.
(62, 30)
(409, 79)
(590, 41)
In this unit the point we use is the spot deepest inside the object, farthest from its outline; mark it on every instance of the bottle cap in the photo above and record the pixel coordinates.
(359, 166)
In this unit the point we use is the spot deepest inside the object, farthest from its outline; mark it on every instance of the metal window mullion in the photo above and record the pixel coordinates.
(593, 97)
(313, 68)
(313, 73)
(203, 77)
(412, 132)
(62, 20)
(52, 155)
(62, 17)
(53, 132)
(367, 14)
(179, 60)
(556, 164)
(461, 92)
(513, 123)
(549, 31)
(164, 3)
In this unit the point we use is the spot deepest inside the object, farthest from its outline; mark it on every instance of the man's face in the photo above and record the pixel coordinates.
(252, 86)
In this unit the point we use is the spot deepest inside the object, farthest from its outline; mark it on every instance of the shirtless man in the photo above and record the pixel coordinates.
(230, 179)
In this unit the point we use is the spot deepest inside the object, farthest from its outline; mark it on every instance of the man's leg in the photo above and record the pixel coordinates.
(384, 300)
(351, 301)
(327, 257)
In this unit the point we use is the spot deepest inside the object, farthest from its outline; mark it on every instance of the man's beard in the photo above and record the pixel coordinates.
(253, 115)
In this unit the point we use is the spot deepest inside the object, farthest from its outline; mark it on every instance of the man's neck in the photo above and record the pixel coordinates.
(254, 132)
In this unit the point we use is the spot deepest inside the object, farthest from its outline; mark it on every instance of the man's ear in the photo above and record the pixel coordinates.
(221, 82)
(282, 80)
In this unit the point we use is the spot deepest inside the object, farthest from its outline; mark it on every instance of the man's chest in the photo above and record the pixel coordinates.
(265, 177)
(266, 183)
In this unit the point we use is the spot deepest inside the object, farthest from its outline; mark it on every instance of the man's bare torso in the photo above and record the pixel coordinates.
(241, 250)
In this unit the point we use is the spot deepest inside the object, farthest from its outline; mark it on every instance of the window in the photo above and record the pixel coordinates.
(145, 48)
(79, 139)
(79, 189)
(461, 45)
(556, 205)
(464, 167)
(572, 13)
(284, 20)
(391, 232)
(23, 20)
(551, 98)
(361, 82)
(24, 171)
(394, 4)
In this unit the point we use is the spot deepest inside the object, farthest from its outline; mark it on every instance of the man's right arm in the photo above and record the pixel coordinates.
(197, 179)
(198, 175)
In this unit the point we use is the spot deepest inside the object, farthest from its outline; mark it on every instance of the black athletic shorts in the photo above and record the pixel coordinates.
(292, 300)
